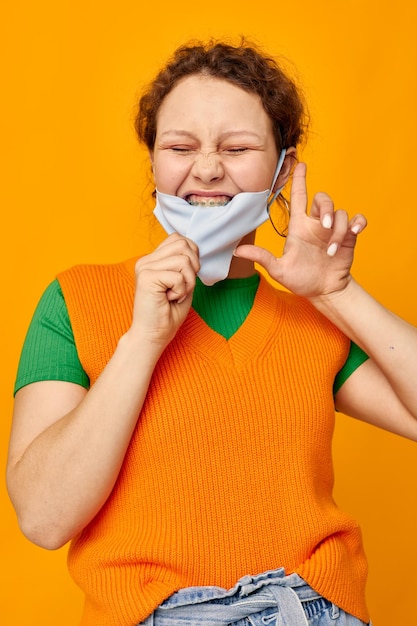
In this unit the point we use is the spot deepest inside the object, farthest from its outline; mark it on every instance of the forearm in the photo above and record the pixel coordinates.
(67, 472)
(388, 340)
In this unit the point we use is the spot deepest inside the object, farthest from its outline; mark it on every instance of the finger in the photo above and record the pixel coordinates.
(171, 250)
(187, 248)
(181, 284)
(173, 285)
(258, 255)
(298, 196)
(358, 223)
(154, 270)
(322, 208)
(176, 263)
(179, 292)
(340, 229)
(176, 237)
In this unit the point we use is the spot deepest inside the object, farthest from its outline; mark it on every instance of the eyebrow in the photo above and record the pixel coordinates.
(225, 135)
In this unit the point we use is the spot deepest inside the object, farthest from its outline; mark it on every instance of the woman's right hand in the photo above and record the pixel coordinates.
(165, 281)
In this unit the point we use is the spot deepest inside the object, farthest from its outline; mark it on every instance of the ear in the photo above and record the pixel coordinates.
(150, 154)
(286, 169)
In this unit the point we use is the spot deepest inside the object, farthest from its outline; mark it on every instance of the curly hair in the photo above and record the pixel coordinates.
(243, 65)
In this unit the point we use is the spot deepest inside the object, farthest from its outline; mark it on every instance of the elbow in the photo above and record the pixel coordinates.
(40, 530)
(44, 527)
(43, 535)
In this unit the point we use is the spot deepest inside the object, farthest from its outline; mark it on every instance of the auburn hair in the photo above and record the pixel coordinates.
(244, 65)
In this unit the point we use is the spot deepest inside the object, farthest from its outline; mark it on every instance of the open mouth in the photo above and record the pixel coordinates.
(207, 201)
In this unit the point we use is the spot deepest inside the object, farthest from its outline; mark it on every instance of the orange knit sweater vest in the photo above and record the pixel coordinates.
(229, 470)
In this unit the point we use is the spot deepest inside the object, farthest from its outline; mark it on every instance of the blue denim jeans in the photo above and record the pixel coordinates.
(269, 599)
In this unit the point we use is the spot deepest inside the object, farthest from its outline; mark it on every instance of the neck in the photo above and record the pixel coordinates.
(242, 268)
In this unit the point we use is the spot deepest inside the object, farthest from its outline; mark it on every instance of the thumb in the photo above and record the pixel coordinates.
(259, 255)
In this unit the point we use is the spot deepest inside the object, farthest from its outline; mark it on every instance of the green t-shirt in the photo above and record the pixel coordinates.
(49, 351)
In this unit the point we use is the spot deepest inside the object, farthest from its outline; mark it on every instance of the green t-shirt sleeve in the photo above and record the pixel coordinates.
(49, 351)
(355, 358)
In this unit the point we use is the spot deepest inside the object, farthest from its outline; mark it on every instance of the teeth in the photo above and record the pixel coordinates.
(204, 203)
(195, 200)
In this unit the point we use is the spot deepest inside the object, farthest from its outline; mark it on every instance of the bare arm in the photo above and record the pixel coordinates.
(316, 264)
(368, 396)
(67, 445)
(383, 391)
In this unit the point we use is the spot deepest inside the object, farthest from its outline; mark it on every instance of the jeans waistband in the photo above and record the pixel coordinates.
(250, 595)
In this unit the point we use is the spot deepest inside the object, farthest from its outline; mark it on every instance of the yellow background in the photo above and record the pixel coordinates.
(75, 188)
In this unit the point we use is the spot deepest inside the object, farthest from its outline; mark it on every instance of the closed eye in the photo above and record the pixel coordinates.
(182, 149)
(237, 150)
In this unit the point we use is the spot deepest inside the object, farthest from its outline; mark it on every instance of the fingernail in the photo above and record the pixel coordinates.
(332, 249)
(327, 221)
(356, 229)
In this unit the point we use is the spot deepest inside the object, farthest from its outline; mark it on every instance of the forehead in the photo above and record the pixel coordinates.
(199, 100)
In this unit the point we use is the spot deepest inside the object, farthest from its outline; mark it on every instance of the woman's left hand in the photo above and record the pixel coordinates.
(319, 248)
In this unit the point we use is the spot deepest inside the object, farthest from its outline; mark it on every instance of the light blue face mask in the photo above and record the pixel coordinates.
(217, 230)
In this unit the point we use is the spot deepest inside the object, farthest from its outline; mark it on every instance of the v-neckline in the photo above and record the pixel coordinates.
(247, 341)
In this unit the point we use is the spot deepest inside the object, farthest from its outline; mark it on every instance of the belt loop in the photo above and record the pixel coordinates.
(335, 612)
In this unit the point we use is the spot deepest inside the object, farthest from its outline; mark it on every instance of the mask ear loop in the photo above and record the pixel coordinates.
(277, 171)
(277, 192)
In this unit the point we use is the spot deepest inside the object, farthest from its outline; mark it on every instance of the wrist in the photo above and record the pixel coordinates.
(334, 300)
(140, 346)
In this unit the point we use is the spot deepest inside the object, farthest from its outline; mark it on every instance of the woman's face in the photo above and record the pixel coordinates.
(213, 140)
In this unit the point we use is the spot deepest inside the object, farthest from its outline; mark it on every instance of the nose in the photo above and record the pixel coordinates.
(207, 166)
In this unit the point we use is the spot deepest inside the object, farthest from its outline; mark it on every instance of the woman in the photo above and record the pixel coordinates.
(174, 413)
